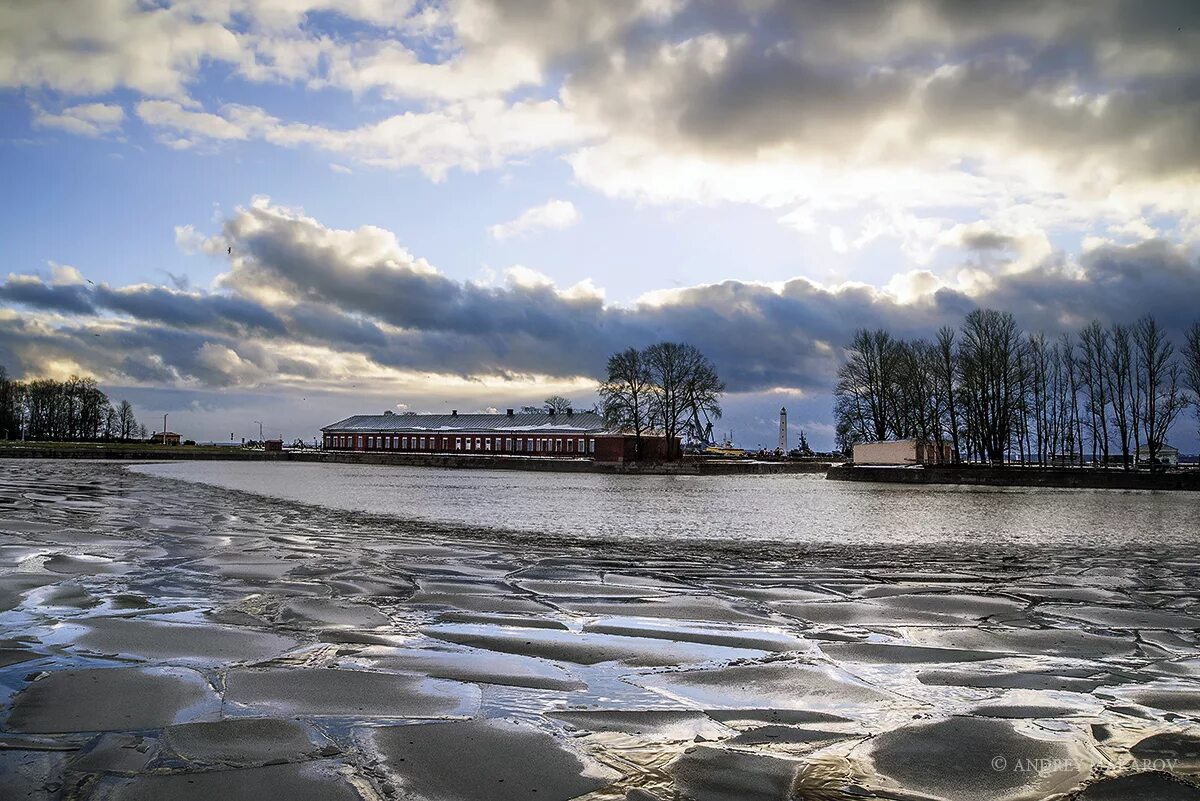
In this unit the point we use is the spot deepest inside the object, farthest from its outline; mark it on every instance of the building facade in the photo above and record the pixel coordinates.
(624, 447)
(901, 452)
(562, 434)
(1166, 454)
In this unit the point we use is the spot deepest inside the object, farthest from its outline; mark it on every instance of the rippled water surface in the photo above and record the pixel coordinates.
(803, 509)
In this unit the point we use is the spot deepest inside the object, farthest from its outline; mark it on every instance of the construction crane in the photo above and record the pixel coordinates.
(698, 433)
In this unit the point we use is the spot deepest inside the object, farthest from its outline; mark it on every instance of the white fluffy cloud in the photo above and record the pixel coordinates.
(95, 46)
(471, 136)
(922, 126)
(1074, 113)
(193, 125)
(551, 215)
(85, 119)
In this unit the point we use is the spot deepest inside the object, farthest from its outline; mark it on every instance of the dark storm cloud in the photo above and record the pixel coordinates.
(300, 255)
(358, 294)
(143, 302)
(30, 291)
(1120, 284)
(187, 310)
(987, 241)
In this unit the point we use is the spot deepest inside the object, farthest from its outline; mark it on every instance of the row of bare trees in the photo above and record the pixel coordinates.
(997, 393)
(671, 387)
(74, 410)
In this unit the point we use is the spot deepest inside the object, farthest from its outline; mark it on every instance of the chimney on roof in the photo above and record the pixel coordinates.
(510, 412)
(454, 412)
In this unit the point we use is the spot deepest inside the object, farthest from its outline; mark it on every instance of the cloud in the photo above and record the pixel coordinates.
(304, 302)
(1073, 115)
(552, 215)
(88, 47)
(1039, 157)
(470, 136)
(987, 240)
(894, 123)
(188, 240)
(197, 125)
(87, 119)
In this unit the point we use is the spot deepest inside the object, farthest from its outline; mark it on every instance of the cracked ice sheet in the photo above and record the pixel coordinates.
(261, 598)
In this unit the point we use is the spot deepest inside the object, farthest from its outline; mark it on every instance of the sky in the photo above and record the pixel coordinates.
(291, 211)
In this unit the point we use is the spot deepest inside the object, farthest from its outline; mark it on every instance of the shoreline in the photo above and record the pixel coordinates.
(961, 475)
(454, 461)
(1011, 476)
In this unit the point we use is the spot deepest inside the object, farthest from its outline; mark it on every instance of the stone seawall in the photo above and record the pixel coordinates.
(693, 467)
(979, 475)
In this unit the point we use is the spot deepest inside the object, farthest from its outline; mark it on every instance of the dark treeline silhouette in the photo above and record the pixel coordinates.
(670, 387)
(75, 410)
(997, 393)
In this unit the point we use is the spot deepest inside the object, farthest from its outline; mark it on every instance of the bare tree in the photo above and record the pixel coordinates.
(990, 353)
(625, 394)
(46, 409)
(866, 385)
(557, 404)
(998, 394)
(1191, 365)
(919, 404)
(111, 423)
(684, 386)
(126, 422)
(1121, 389)
(946, 378)
(12, 406)
(702, 393)
(1073, 442)
(1039, 362)
(1094, 345)
(1158, 383)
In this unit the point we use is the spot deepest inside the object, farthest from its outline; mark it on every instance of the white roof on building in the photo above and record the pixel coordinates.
(561, 423)
(1162, 449)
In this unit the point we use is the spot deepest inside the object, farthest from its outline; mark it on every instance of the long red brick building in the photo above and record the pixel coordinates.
(543, 434)
(567, 433)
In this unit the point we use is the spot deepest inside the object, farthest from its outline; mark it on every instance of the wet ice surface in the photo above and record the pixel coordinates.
(167, 641)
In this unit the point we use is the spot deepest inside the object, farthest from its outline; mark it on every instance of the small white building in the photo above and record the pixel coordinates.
(902, 452)
(1166, 454)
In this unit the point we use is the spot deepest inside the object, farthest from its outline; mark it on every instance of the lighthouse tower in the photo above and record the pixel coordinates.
(783, 429)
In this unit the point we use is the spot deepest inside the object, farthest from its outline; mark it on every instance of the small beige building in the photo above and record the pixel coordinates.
(902, 452)
(1167, 454)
